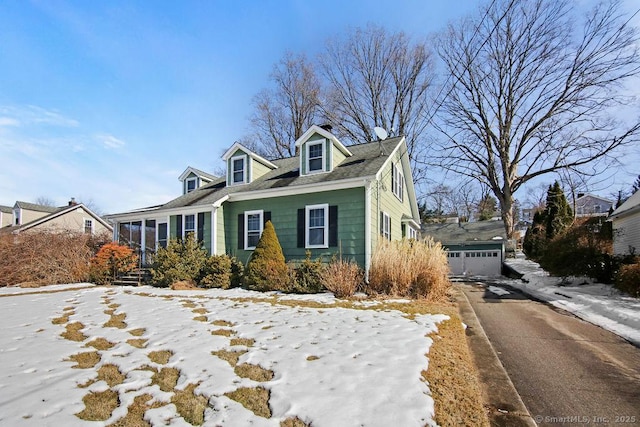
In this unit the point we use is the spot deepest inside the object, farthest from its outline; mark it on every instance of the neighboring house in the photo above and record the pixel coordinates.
(74, 217)
(473, 248)
(328, 200)
(6, 216)
(590, 205)
(626, 226)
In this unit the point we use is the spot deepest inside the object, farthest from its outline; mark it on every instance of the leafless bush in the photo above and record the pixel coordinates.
(409, 268)
(342, 277)
(44, 258)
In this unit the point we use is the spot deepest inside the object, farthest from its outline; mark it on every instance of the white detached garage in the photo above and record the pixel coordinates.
(474, 248)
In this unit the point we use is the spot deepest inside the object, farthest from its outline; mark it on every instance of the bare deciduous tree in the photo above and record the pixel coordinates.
(375, 78)
(532, 91)
(45, 201)
(283, 113)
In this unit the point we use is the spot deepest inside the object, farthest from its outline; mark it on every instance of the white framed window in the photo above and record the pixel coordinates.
(88, 226)
(238, 170)
(253, 225)
(315, 156)
(189, 225)
(317, 226)
(397, 181)
(191, 184)
(386, 226)
(413, 233)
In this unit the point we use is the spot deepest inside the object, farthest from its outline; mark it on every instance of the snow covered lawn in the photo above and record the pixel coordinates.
(596, 303)
(326, 365)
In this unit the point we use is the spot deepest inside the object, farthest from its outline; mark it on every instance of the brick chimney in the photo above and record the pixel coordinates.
(73, 202)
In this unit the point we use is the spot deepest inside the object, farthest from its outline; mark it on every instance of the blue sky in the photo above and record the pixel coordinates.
(109, 101)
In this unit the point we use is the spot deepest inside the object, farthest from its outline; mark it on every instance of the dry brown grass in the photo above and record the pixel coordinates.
(161, 357)
(62, 319)
(255, 399)
(166, 378)
(100, 344)
(116, 321)
(137, 332)
(99, 405)
(85, 360)
(253, 372)
(294, 422)
(247, 342)
(44, 258)
(189, 405)
(410, 268)
(201, 318)
(312, 358)
(111, 374)
(342, 277)
(183, 285)
(223, 332)
(136, 411)
(137, 342)
(72, 332)
(452, 377)
(188, 304)
(219, 322)
(229, 356)
(200, 310)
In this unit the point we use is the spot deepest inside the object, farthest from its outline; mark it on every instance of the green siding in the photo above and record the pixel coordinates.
(284, 211)
(173, 228)
(206, 238)
(229, 169)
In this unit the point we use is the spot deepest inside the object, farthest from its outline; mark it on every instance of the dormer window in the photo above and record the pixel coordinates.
(191, 184)
(239, 170)
(315, 156)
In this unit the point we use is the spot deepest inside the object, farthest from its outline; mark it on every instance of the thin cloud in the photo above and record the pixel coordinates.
(16, 115)
(8, 121)
(110, 141)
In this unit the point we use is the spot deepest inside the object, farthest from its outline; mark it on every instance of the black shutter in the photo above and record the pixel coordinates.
(179, 227)
(201, 227)
(333, 226)
(266, 216)
(382, 223)
(241, 231)
(301, 228)
(393, 178)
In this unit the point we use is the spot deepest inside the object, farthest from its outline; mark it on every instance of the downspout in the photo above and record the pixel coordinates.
(214, 222)
(367, 229)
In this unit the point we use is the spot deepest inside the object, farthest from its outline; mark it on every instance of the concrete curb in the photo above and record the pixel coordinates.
(505, 407)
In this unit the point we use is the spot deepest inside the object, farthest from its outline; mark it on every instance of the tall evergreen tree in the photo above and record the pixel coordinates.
(559, 214)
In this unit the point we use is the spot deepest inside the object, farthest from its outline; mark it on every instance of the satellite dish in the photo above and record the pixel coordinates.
(380, 133)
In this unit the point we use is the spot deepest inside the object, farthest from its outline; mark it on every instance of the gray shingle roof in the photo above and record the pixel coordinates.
(6, 209)
(465, 231)
(366, 161)
(37, 208)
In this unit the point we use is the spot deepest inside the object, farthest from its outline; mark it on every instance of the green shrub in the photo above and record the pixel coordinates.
(584, 249)
(628, 279)
(306, 277)
(409, 268)
(343, 277)
(181, 260)
(266, 269)
(237, 272)
(216, 272)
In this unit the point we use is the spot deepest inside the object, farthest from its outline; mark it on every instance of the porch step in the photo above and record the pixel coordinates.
(136, 277)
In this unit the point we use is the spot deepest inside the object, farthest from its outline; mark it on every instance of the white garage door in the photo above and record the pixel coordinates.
(475, 263)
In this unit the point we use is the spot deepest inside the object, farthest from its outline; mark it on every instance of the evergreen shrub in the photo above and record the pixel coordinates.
(216, 272)
(307, 277)
(267, 269)
(181, 260)
(628, 279)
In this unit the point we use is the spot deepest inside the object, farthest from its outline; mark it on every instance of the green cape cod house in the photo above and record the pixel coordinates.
(327, 199)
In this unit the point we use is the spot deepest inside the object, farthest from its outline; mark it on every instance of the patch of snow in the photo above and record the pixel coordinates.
(331, 365)
(596, 303)
(16, 290)
(498, 291)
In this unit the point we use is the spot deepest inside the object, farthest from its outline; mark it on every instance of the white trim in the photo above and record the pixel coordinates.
(325, 208)
(246, 228)
(195, 180)
(323, 157)
(398, 181)
(62, 212)
(299, 189)
(386, 220)
(328, 135)
(367, 229)
(245, 170)
(237, 146)
(195, 225)
(84, 225)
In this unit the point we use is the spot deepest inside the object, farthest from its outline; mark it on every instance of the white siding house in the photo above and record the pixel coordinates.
(626, 226)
